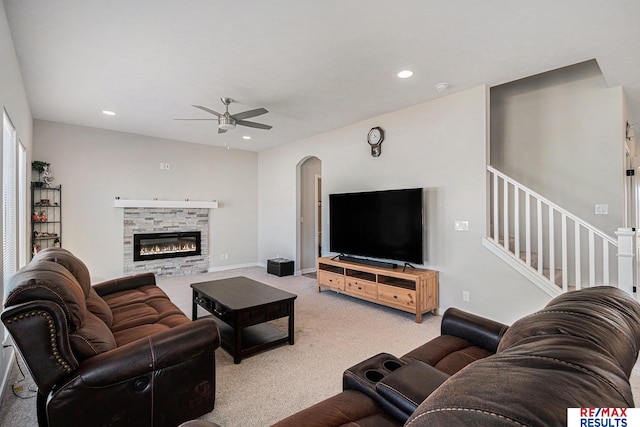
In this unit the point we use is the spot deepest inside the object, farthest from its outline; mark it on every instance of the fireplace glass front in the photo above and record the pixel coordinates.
(150, 246)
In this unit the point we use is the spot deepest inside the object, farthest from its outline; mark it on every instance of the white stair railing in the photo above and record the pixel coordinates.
(559, 247)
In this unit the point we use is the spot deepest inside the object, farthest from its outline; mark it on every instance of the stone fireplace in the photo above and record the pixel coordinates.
(171, 241)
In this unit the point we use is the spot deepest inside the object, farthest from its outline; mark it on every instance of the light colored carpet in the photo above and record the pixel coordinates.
(333, 332)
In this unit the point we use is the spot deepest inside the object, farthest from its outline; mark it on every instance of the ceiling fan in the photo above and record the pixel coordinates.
(227, 121)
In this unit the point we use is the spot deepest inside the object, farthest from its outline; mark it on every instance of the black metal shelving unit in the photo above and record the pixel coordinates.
(46, 217)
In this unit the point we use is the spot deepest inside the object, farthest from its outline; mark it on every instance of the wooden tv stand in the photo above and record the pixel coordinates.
(414, 290)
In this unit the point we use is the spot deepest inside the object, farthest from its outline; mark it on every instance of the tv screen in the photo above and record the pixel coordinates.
(377, 224)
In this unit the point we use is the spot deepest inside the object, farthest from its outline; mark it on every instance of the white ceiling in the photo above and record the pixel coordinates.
(316, 65)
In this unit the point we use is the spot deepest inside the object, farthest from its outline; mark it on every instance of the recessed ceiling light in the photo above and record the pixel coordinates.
(108, 113)
(246, 137)
(405, 74)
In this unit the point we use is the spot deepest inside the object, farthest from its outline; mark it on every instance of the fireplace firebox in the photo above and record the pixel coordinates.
(148, 246)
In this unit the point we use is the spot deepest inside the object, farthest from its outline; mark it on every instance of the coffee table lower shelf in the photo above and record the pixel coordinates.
(255, 339)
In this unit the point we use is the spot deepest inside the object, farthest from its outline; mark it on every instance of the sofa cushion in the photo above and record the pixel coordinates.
(98, 306)
(79, 270)
(604, 315)
(128, 335)
(447, 353)
(92, 338)
(52, 282)
(69, 261)
(141, 306)
(349, 408)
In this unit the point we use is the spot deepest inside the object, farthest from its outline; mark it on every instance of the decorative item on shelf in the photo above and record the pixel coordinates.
(36, 248)
(47, 176)
(39, 216)
(39, 167)
(375, 138)
(44, 234)
(56, 243)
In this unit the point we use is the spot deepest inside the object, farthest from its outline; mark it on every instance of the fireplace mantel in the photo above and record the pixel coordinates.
(122, 203)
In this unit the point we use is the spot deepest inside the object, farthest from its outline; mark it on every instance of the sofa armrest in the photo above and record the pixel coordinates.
(153, 353)
(477, 330)
(40, 331)
(406, 387)
(124, 283)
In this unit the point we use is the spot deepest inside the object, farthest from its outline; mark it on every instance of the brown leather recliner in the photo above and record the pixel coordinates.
(119, 353)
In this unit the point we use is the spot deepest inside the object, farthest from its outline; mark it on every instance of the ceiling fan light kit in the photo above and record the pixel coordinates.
(228, 121)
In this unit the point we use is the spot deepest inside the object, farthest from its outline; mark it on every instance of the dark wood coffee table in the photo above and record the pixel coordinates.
(244, 306)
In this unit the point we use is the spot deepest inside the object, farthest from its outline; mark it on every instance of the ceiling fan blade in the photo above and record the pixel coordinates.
(196, 119)
(221, 130)
(253, 124)
(250, 113)
(208, 110)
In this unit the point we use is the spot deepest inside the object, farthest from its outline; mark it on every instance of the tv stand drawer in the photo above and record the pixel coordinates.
(402, 298)
(330, 280)
(362, 288)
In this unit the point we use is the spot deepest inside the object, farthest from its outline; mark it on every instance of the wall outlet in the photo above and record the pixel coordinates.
(465, 296)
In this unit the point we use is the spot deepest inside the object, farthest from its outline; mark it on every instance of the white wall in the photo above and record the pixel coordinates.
(440, 146)
(560, 134)
(93, 166)
(14, 100)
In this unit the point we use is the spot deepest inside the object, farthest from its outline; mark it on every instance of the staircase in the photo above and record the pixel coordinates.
(551, 247)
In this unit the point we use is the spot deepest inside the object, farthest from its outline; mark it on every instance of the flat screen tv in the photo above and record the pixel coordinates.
(378, 224)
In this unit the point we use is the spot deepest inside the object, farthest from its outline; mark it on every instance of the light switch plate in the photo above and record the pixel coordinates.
(461, 225)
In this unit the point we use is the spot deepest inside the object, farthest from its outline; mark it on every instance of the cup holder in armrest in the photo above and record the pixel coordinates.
(391, 365)
(373, 375)
(366, 374)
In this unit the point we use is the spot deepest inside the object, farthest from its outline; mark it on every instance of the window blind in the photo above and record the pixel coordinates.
(9, 196)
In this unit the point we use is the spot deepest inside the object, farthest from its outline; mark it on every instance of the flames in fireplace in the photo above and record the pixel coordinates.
(167, 248)
(150, 246)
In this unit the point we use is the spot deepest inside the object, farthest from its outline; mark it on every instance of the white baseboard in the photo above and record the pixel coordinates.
(233, 267)
(10, 358)
(308, 270)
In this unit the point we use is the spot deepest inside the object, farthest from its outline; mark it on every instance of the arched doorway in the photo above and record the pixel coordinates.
(309, 209)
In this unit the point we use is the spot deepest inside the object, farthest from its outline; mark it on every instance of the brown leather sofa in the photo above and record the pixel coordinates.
(576, 352)
(118, 353)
